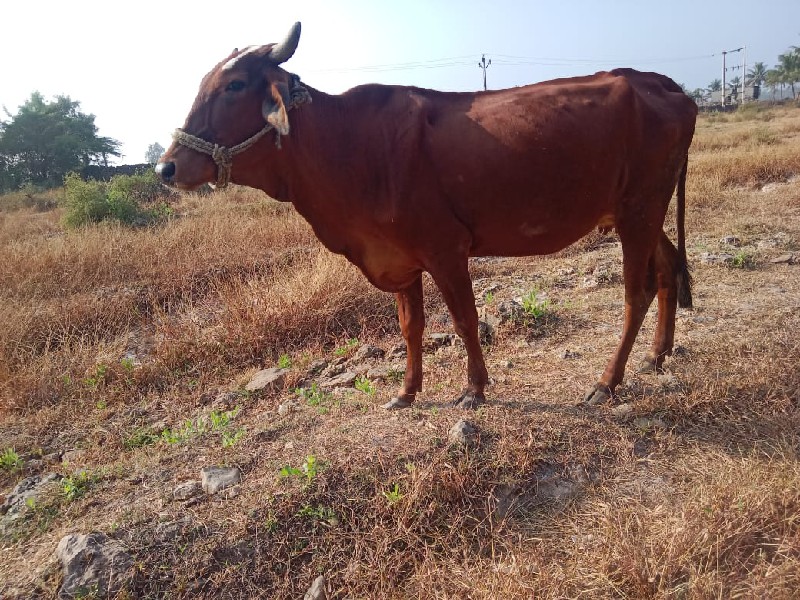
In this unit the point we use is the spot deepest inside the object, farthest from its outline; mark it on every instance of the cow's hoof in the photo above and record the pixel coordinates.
(599, 394)
(470, 400)
(397, 404)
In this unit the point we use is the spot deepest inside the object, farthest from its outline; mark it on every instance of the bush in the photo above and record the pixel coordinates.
(121, 199)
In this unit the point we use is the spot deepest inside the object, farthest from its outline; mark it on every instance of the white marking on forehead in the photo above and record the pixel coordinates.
(232, 62)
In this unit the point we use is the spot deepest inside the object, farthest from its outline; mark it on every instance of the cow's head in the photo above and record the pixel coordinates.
(242, 96)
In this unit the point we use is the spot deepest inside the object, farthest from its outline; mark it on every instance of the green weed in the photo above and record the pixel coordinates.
(394, 495)
(349, 345)
(10, 460)
(535, 306)
(365, 385)
(285, 361)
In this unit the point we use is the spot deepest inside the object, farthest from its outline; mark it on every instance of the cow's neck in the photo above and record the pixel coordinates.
(317, 165)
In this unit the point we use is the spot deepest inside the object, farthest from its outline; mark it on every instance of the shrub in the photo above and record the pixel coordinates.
(121, 199)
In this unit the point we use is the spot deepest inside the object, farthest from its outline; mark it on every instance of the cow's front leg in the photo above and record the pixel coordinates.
(456, 286)
(411, 315)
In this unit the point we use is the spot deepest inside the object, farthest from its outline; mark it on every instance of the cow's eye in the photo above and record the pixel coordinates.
(235, 86)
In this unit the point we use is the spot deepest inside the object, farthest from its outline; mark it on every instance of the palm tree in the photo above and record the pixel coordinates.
(715, 85)
(698, 95)
(790, 66)
(773, 79)
(757, 74)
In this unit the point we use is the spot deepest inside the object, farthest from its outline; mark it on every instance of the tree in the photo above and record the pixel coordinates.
(772, 80)
(154, 152)
(757, 74)
(698, 95)
(715, 85)
(46, 140)
(790, 67)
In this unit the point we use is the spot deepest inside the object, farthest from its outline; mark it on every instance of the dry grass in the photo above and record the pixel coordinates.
(109, 333)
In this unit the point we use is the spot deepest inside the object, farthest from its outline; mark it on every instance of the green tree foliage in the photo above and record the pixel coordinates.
(45, 140)
(757, 74)
(789, 68)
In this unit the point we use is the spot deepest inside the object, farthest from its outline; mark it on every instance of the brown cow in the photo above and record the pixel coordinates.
(403, 180)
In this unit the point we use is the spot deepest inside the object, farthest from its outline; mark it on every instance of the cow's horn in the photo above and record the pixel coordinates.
(282, 52)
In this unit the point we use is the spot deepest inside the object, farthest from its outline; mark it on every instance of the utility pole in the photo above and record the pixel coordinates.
(484, 65)
(724, 53)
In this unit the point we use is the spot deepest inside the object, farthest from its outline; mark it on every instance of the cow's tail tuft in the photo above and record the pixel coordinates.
(682, 276)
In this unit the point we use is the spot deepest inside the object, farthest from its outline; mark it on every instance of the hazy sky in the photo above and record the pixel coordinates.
(137, 65)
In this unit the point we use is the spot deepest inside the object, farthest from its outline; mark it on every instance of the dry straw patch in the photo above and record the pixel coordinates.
(693, 493)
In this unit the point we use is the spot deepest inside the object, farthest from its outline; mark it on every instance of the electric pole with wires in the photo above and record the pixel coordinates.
(484, 65)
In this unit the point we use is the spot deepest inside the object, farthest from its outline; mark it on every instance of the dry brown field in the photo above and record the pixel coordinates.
(687, 485)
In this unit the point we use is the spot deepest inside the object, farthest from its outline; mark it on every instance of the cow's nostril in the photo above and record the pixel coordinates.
(166, 171)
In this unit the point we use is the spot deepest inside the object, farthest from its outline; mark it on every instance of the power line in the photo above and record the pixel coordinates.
(507, 60)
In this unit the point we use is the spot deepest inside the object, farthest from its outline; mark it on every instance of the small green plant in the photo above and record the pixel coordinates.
(395, 376)
(309, 469)
(313, 396)
(99, 376)
(10, 460)
(101, 405)
(222, 420)
(489, 297)
(365, 385)
(128, 364)
(743, 260)
(229, 439)
(349, 345)
(284, 361)
(320, 513)
(76, 486)
(535, 306)
(394, 495)
(140, 438)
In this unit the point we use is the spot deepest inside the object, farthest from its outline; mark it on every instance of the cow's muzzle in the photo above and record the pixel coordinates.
(166, 171)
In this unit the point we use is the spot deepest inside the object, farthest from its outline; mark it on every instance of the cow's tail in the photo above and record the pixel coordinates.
(684, 280)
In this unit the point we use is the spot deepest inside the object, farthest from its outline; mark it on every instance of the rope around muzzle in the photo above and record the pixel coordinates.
(222, 156)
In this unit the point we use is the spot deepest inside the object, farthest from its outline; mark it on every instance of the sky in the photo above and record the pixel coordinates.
(137, 65)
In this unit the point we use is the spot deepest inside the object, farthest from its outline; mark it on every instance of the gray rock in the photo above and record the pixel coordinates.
(186, 490)
(723, 258)
(316, 367)
(463, 433)
(568, 354)
(225, 400)
(346, 379)
(215, 479)
(622, 411)
(438, 340)
(398, 351)
(485, 333)
(317, 590)
(93, 564)
(267, 379)
(589, 283)
(286, 407)
(509, 310)
(367, 352)
(336, 367)
(646, 423)
(72, 456)
(16, 503)
(731, 240)
(783, 259)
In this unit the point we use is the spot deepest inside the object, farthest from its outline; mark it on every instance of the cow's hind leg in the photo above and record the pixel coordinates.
(666, 268)
(456, 286)
(411, 314)
(638, 246)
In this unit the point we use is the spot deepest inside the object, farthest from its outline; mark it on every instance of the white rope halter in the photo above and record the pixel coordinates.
(222, 156)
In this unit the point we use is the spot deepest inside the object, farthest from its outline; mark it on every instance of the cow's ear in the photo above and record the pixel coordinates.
(274, 107)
